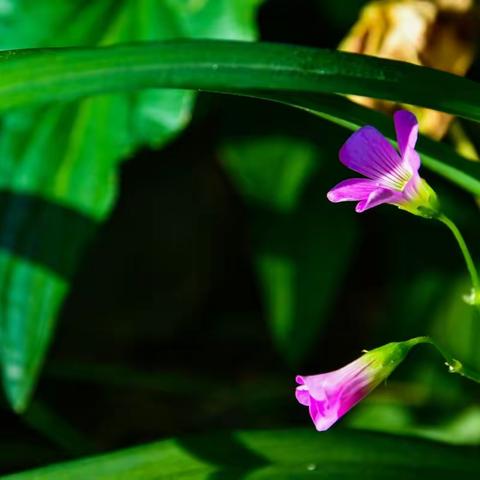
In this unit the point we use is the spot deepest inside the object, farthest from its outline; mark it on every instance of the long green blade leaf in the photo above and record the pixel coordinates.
(29, 76)
(298, 76)
(273, 455)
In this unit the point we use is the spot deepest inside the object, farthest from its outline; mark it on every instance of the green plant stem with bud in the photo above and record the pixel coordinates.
(471, 299)
(454, 365)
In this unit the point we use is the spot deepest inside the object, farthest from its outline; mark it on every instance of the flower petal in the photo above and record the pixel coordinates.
(406, 126)
(368, 152)
(322, 414)
(352, 189)
(302, 395)
(377, 197)
(349, 401)
(301, 392)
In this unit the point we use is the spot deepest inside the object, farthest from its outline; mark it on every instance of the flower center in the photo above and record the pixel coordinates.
(396, 179)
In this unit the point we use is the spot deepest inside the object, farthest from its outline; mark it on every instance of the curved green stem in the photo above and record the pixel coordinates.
(473, 298)
(465, 252)
(454, 365)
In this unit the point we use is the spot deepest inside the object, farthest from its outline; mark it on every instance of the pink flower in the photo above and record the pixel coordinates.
(392, 177)
(329, 396)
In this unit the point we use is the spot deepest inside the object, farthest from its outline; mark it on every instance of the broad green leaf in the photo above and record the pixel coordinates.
(275, 454)
(301, 244)
(58, 162)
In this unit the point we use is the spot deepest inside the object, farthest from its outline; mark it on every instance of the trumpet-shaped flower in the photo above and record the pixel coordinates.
(329, 396)
(391, 176)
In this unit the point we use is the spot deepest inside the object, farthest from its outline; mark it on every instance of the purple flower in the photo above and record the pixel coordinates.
(392, 177)
(329, 396)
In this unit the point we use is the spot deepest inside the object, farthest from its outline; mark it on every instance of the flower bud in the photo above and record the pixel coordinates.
(330, 395)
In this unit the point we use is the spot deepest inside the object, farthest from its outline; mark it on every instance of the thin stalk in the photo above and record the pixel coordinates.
(465, 252)
(454, 365)
(474, 297)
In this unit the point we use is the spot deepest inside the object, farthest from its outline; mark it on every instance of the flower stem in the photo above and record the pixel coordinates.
(465, 252)
(454, 365)
(473, 298)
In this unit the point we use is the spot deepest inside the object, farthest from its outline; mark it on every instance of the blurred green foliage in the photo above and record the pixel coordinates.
(298, 454)
(68, 154)
(299, 261)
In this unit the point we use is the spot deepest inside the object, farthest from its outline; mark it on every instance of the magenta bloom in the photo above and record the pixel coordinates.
(329, 396)
(392, 177)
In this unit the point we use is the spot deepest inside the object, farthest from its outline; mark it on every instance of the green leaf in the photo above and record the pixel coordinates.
(301, 244)
(276, 454)
(52, 74)
(58, 162)
(288, 74)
